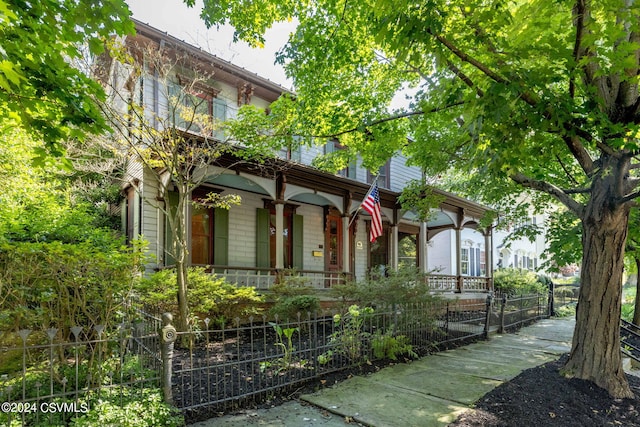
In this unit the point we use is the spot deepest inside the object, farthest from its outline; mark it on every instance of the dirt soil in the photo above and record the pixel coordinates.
(542, 397)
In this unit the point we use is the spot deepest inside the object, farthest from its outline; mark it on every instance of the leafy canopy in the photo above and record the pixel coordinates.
(44, 84)
(528, 93)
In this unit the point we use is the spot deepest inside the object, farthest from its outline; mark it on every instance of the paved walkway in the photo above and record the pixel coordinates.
(431, 391)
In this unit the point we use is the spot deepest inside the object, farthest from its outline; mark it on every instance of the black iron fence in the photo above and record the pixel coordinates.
(218, 367)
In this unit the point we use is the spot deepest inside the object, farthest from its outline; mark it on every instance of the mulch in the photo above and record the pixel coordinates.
(542, 397)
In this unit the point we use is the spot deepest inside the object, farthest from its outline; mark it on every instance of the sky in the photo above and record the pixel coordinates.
(184, 23)
(174, 17)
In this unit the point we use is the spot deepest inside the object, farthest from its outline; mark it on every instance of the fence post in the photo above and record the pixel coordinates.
(168, 337)
(488, 316)
(552, 311)
(503, 303)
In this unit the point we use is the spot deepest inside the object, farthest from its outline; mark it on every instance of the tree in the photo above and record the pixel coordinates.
(42, 88)
(532, 94)
(171, 151)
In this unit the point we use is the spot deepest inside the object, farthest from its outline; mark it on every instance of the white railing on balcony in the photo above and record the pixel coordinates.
(266, 277)
(475, 284)
(442, 283)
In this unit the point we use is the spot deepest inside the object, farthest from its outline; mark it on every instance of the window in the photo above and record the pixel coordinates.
(131, 214)
(483, 263)
(191, 108)
(464, 261)
(382, 177)
(350, 170)
(292, 152)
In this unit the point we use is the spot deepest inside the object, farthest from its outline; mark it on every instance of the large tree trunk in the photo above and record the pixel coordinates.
(595, 353)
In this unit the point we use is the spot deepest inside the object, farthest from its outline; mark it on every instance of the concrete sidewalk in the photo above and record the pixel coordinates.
(431, 391)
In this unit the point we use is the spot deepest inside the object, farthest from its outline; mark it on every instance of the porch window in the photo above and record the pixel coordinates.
(407, 250)
(464, 261)
(379, 251)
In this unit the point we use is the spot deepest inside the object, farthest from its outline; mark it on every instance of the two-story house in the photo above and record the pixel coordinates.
(292, 215)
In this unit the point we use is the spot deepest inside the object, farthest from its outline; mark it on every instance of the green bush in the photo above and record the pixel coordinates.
(513, 281)
(289, 307)
(209, 295)
(404, 286)
(54, 284)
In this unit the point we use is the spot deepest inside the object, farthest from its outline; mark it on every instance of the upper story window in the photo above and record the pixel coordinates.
(382, 177)
(350, 170)
(292, 152)
(195, 107)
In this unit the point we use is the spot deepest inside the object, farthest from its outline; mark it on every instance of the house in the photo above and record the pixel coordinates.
(291, 214)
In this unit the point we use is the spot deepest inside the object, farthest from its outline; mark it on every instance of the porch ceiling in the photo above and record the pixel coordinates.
(237, 182)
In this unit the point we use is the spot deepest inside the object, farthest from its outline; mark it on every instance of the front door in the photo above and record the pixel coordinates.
(333, 242)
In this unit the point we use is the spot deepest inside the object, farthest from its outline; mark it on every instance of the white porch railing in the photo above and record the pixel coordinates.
(266, 277)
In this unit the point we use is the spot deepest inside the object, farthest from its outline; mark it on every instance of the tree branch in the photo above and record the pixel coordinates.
(402, 115)
(466, 79)
(548, 188)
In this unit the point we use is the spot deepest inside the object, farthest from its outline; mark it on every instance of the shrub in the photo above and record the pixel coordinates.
(54, 284)
(209, 295)
(293, 295)
(395, 287)
(289, 307)
(512, 281)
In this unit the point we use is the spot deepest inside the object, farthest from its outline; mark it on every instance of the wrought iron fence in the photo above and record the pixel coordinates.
(218, 367)
(516, 311)
(48, 377)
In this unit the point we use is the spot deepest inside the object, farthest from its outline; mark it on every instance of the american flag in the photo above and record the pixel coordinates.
(371, 204)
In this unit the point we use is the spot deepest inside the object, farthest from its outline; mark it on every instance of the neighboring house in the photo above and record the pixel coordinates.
(296, 216)
(508, 253)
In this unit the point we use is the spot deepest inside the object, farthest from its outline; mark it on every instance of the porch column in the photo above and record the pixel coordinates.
(459, 258)
(346, 247)
(394, 247)
(279, 234)
(488, 243)
(423, 243)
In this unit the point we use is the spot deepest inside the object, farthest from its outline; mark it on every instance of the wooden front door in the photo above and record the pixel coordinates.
(333, 242)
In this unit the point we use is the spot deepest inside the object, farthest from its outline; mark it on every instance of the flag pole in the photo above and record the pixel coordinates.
(373, 184)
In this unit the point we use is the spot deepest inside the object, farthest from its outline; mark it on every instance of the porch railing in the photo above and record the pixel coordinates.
(264, 278)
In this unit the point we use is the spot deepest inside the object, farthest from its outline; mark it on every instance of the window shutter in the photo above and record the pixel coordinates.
(330, 147)
(263, 257)
(298, 241)
(221, 236)
(219, 115)
(351, 169)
